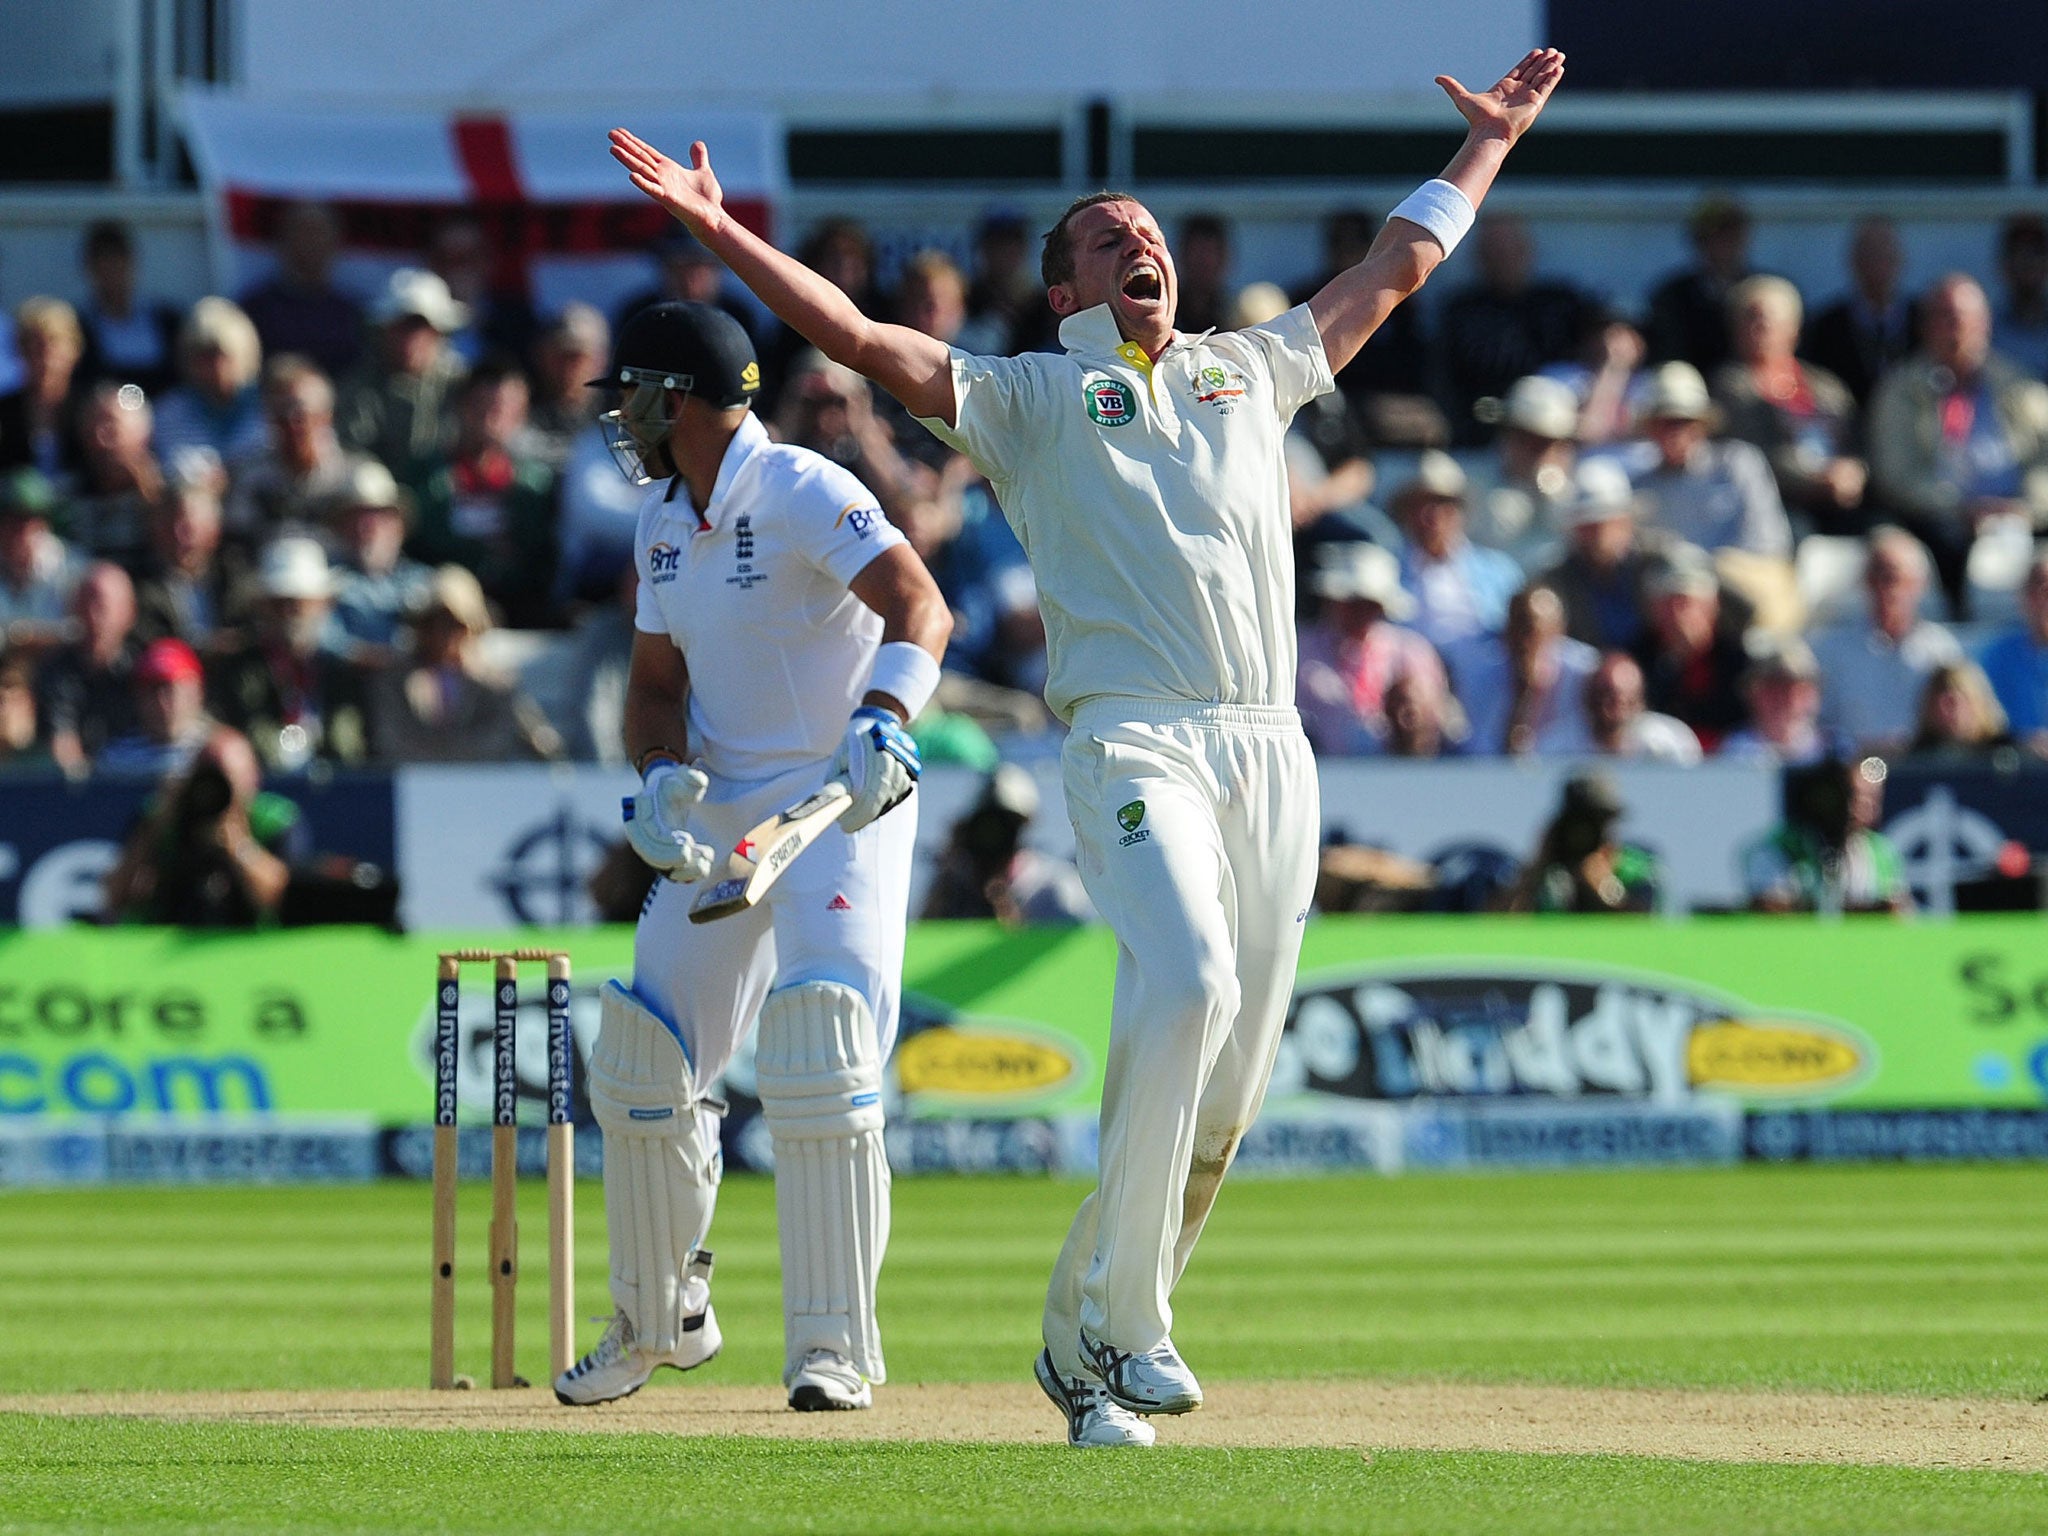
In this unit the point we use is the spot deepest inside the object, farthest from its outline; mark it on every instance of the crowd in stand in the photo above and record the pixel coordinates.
(1537, 523)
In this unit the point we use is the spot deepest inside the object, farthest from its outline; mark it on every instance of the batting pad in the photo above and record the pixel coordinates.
(820, 1080)
(661, 1165)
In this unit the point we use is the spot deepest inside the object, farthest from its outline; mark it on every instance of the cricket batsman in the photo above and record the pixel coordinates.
(785, 632)
(1143, 474)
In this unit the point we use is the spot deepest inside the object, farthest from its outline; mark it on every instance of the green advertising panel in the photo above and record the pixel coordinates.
(1762, 1014)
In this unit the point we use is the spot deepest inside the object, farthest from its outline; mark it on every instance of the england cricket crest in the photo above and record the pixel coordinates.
(1109, 402)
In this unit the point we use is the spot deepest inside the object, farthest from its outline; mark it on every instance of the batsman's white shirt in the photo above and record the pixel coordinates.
(753, 590)
(1152, 500)
(1151, 497)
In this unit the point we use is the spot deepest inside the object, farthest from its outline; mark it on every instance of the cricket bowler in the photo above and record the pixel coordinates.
(1143, 474)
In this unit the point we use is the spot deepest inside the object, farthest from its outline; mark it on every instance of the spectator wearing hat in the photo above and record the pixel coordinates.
(1507, 325)
(2017, 663)
(1692, 663)
(1519, 495)
(1619, 724)
(1607, 560)
(39, 421)
(1801, 416)
(2021, 323)
(1860, 336)
(570, 353)
(1581, 865)
(288, 483)
(287, 687)
(440, 704)
(219, 403)
(37, 569)
(398, 405)
(1688, 320)
(1873, 670)
(300, 309)
(170, 712)
(128, 340)
(1782, 688)
(85, 691)
(191, 586)
(490, 508)
(21, 742)
(1523, 690)
(376, 583)
(1461, 591)
(1715, 494)
(1356, 650)
(1958, 435)
(1959, 718)
(119, 475)
(986, 871)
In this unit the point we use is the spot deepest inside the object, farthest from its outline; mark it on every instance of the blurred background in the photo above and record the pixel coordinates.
(1676, 555)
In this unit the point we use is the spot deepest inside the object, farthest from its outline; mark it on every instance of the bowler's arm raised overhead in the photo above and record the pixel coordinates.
(914, 367)
(1352, 305)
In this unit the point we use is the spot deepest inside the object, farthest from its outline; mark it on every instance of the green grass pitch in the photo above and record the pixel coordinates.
(1923, 1281)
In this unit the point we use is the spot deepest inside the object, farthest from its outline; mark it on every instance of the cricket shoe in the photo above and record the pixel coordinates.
(618, 1367)
(1157, 1381)
(1093, 1421)
(826, 1383)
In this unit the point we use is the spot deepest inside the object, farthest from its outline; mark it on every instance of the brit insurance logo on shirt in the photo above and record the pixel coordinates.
(664, 562)
(1109, 401)
(860, 516)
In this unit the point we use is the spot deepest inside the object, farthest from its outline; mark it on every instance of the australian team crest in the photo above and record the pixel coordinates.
(1220, 388)
(1109, 402)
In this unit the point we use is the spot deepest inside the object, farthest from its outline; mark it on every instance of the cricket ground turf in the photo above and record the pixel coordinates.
(1747, 1350)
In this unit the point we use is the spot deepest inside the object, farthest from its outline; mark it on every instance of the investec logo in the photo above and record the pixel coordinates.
(559, 1048)
(447, 1050)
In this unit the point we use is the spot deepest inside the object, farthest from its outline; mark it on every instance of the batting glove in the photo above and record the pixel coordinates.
(879, 762)
(656, 817)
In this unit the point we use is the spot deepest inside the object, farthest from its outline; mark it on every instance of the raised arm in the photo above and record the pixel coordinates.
(912, 366)
(1352, 305)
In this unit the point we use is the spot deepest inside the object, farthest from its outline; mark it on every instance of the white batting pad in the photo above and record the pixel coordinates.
(661, 1165)
(819, 1075)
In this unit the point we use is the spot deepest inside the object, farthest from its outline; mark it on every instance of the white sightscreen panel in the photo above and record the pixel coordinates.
(777, 53)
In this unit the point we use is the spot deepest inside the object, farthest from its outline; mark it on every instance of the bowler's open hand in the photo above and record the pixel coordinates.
(690, 192)
(1508, 109)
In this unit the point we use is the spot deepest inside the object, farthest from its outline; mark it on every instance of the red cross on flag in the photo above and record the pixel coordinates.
(556, 209)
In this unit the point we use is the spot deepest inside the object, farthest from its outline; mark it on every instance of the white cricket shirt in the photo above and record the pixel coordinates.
(753, 591)
(1151, 498)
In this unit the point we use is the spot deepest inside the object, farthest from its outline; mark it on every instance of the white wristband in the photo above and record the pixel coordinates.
(907, 673)
(1439, 208)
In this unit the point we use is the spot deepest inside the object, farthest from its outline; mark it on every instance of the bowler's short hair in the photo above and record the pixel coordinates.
(1056, 261)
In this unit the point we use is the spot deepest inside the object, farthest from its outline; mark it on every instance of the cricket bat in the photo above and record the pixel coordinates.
(761, 856)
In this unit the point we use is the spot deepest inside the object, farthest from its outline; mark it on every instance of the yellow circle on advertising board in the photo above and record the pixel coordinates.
(947, 1060)
(1735, 1054)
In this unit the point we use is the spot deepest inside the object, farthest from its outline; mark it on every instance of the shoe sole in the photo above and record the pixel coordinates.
(818, 1400)
(1172, 1407)
(619, 1397)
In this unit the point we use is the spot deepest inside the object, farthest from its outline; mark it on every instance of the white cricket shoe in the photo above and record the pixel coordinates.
(827, 1382)
(1093, 1421)
(618, 1367)
(1157, 1381)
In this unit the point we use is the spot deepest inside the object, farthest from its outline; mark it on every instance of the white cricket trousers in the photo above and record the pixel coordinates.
(1197, 827)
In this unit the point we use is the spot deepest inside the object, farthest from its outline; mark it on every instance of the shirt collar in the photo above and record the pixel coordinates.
(746, 442)
(1094, 333)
